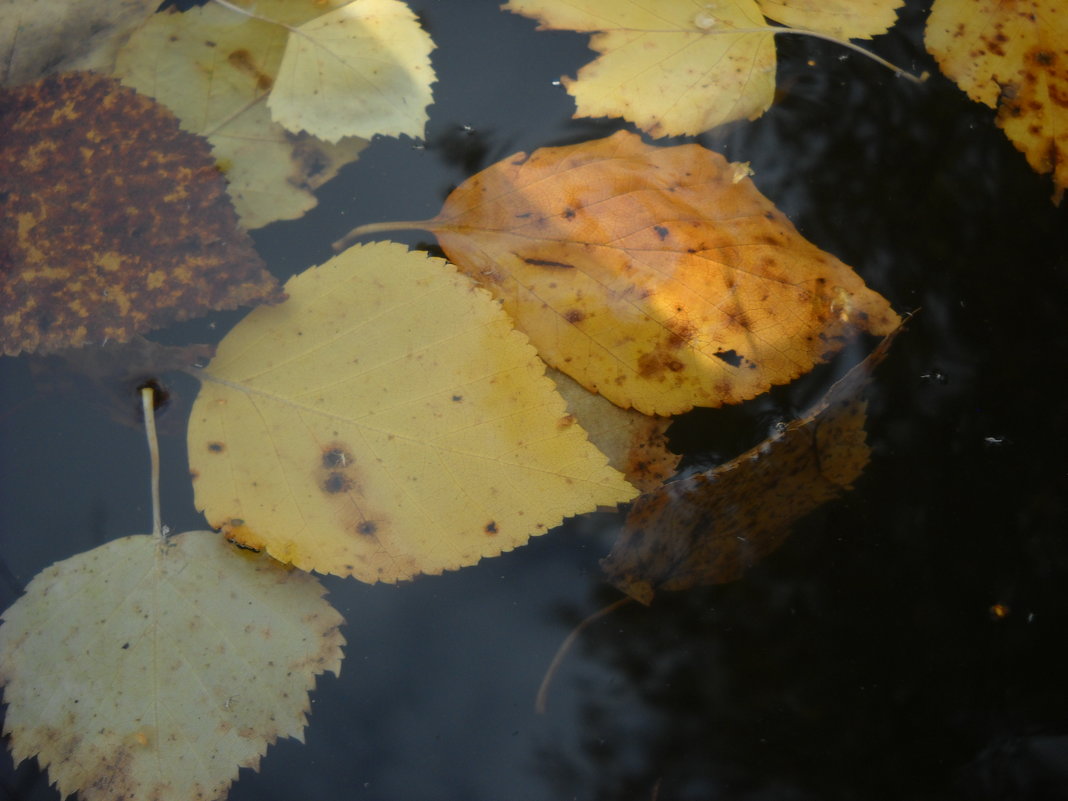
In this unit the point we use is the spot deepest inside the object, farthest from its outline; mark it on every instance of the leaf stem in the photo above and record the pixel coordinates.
(148, 405)
(542, 697)
(254, 15)
(777, 30)
(374, 228)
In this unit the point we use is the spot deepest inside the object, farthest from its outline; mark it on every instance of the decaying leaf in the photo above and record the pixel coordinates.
(680, 67)
(387, 421)
(113, 221)
(213, 68)
(62, 35)
(154, 669)
(360, 70)
(660, 278)
(709, 528)
(1012, 56)
(634, 443)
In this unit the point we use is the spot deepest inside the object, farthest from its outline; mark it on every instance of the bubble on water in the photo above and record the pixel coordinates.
(934, 376)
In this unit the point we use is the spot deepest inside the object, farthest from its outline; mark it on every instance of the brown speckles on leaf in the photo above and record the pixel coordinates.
(663, 279)
(1010, 57)
(114, 220)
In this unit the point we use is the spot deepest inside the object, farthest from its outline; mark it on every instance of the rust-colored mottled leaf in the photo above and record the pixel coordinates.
(1012, 56)
(711, 527)
(113, 221)
(634, 443)
(660, 278)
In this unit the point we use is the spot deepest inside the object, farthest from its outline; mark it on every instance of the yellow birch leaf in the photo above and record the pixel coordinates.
(672, 67)
(212, 67)
(709, 528)
(659, 277)
(843, 19)
(385, 421)
(1012, 56)
(154, 669)
(360, 70)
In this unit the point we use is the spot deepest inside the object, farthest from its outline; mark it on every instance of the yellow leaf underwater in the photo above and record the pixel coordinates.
(1012, 56)
(711, 527)
(360, 70)
(150, 668)
(672, 67)
(212, 67)
(387, 421)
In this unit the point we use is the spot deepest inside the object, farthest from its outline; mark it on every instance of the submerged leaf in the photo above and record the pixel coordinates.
(711, 527)
(634, 443)
(387, 421)
(40, 38)
(213, 67)
(660, 278)
(1013, 57)
(113, 221)
(360, 70)
(154, 669)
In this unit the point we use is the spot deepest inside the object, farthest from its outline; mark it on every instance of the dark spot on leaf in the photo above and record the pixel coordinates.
(491, 527)
(216, 447)
(731, 357)
(367, 528)
(457, 398)
(569, 213)
(558, 265)
(661, 232)
(574, 316)
(336, 483)
(336, 457)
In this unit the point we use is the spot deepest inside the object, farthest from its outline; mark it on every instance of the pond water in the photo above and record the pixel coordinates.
(907, 641)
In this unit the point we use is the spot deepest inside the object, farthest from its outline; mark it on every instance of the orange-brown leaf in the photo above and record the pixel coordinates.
(711, 527)
(1012, 56)
(113, 221)
(659, 277)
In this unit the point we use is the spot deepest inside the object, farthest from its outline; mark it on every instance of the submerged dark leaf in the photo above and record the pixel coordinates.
(711, 527)
(113, 221)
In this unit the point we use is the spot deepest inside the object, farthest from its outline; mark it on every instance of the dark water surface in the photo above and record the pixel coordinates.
(861, 660)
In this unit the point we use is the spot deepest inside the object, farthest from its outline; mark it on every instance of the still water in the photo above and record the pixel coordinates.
(906, 642)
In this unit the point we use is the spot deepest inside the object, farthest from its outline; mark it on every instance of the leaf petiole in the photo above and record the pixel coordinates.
(148, 405)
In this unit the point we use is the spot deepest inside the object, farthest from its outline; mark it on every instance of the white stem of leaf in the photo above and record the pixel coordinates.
(148, 405)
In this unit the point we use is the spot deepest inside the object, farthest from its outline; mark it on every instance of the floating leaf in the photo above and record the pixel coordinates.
(709, 528)
(679, 67)
(844, 19)
(360, 70)
(62, 35)
(387, 421)
(666, 65)
(634, 443)
(659, 277)
(212, 67)
(113, 221)
(1013, 57)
